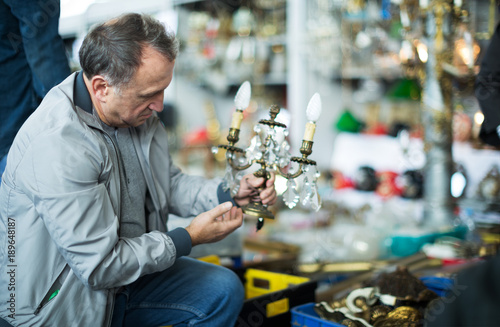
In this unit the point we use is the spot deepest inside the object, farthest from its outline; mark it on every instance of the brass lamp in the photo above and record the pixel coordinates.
(269, 148)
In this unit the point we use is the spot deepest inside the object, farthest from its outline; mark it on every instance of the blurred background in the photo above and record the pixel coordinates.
(370, 62)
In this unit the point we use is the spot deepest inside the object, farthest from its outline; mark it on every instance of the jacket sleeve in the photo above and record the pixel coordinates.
(66, 177)
(487, 90)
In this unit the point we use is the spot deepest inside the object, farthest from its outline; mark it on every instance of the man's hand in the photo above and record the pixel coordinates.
(248, 190)
(214, 225)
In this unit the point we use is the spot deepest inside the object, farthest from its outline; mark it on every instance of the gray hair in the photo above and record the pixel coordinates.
(114, 49)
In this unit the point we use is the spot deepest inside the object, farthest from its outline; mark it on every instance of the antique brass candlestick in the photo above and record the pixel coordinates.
(269, 148)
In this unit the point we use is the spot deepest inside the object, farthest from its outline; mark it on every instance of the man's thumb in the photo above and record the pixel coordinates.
(255, 181)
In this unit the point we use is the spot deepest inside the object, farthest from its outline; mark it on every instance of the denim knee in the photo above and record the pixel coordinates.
(232, 285)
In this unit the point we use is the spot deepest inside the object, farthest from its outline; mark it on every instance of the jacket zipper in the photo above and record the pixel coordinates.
(109, 317)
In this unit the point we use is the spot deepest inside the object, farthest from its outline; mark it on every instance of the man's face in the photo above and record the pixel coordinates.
(137, 100)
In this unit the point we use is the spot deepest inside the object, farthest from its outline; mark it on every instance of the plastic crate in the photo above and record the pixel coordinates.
(260, 282)
(440, 285)
(214, 259)
(305, 316)
(269, 297)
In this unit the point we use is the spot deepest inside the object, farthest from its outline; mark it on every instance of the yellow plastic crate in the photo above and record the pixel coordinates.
(211, 259)
(269, 295)
(259, 282)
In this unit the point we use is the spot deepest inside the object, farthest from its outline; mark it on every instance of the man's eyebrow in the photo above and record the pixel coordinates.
(150, 94)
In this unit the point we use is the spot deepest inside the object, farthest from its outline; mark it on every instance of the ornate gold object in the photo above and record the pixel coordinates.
(379, 311)
(404, 286)
(269, 149)
(401, 316)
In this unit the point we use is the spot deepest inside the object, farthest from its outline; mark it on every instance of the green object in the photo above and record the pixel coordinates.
(348, 123)
(395, 30)
(53, 295)
(405, 245)
(406, 89)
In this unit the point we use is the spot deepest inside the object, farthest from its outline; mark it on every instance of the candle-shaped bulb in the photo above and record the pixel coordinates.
(314, 108)
(312, 112)
(242, 97)
(241, 101)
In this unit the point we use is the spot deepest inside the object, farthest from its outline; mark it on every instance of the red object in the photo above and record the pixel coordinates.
(377, 129)
(459, 261)
(197, 137)
(462, 127)
(340, 181)
(387, 186)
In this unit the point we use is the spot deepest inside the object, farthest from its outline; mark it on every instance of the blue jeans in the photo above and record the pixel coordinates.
(32, 61)
(190, 293)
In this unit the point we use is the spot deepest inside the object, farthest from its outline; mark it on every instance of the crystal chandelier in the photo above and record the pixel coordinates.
(270, 149)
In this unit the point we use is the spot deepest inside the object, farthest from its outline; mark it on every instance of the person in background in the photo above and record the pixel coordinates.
(473, 301)
(87, 192)
(32, 61)
(487, 91)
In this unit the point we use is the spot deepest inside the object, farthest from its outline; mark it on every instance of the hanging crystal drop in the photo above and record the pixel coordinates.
(228, 178)
(264, 131)
(241, 159)
(284, 155)
(312, 173)
(306, 192)
(254, 148)
(257, 128)
(269, 155)
(272, 133)
(315, 199)
(238, 175)
(276, 148)
(290, 196)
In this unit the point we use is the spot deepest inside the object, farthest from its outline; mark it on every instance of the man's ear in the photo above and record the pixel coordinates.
(100, 87)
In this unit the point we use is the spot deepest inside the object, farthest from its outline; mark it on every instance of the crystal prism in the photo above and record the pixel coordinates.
(228, 178)
(306, 192)
(254, 151)
(237, 176)
(290, 196)
(315, 199)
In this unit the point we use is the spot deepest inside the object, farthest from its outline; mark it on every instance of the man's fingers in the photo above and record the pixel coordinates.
(220, 210)
(255, 181)
(233, 214)
(270, 181)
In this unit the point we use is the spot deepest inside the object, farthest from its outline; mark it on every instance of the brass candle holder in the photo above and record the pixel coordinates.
(269, 148)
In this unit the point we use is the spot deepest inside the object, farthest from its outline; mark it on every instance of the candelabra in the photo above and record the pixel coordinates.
(270, 149)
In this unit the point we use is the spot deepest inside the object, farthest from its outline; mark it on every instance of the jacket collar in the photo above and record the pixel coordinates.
(81, 95)
(83, 103)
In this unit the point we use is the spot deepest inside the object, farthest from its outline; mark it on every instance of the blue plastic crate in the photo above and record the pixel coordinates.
(305, 316)
(440, 285)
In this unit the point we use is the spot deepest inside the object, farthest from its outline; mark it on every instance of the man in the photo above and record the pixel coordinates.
(32, 61)
(487, 92)
(87, 191)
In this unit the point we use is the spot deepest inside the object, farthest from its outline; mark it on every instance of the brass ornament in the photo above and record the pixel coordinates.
(404, 286)
(379, 311)
(489, 187)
